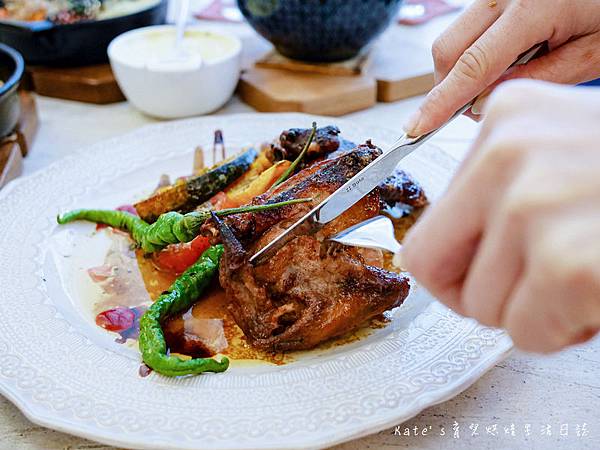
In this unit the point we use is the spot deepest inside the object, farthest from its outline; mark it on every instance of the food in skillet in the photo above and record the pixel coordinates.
(310, 291)
(69, 11)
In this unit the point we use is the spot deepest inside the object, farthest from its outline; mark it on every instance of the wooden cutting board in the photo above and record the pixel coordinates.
(14, 147)
(11, 161)
(273, 90)
(395, 69)
(90, 84)
(402, 69)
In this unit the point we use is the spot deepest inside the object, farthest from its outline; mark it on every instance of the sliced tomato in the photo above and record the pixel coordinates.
(177, 258)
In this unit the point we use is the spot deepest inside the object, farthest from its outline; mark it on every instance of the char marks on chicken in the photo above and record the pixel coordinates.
(311, 290)
(292, 141)
(400, 187)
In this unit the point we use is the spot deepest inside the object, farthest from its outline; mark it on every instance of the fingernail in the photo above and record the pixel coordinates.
(412, 125)
(479, 104)
(477, 107)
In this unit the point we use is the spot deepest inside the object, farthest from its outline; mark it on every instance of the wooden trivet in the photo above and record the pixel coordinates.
(275, 60)
(402, 69)
(273, 90)
(90, 84)
(11, 160)
(16, 145)
(393, 70)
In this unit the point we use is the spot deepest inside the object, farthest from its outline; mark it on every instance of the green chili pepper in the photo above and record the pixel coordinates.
(170, 228)
(290, 170)
(179, 297)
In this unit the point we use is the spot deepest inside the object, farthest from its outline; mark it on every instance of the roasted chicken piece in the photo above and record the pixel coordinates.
(292, 141)
(402, 188)
(311, 289)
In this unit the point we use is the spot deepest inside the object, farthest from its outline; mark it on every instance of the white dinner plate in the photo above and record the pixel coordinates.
(65, 373)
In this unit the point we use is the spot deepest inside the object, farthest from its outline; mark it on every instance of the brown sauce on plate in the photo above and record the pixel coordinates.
(207, 328)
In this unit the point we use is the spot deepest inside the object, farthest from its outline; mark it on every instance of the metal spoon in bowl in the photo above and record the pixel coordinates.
(179, 57)
(377, 232)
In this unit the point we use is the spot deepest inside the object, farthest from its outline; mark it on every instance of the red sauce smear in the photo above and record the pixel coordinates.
(122, 320)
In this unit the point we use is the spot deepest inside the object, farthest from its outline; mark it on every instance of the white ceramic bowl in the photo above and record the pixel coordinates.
(176, 90)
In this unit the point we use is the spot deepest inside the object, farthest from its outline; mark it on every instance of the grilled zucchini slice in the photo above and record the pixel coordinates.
(185, 195)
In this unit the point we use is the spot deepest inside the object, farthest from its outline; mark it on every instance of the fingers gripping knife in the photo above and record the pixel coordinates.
(362, 183)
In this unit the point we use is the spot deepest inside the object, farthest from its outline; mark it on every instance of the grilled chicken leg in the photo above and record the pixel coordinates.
(310, 290)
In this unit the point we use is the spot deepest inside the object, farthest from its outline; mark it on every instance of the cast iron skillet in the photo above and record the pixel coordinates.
(77, 44)
(11, 72)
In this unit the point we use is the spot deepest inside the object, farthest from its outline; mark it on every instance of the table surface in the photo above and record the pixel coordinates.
(527, 392)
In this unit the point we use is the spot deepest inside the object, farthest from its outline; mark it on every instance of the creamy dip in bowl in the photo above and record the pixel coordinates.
(163, 81)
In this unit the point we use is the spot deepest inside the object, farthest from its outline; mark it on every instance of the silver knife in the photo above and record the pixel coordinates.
(362, 183)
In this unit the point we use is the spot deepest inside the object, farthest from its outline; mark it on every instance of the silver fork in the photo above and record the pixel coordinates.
(377, 232)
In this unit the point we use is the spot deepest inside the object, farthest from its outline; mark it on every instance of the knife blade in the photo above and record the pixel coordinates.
(363, 182)
(346, 196)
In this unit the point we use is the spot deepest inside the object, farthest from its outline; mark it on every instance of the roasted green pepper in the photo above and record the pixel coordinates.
(170, 228)
(179, 297)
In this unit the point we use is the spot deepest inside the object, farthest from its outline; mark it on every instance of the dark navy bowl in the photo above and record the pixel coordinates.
(319, 30)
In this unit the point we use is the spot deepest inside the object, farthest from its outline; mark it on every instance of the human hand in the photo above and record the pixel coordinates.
(473, 54)
(515, 241)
